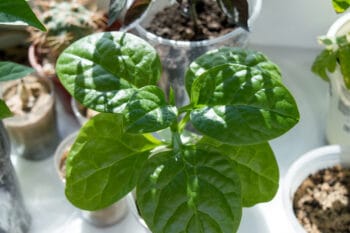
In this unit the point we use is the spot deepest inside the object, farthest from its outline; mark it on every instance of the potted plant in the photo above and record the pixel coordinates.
(198, 183)
(183, 30)
(66, 21)
(15, 217)
(332, 66)
(316, 185)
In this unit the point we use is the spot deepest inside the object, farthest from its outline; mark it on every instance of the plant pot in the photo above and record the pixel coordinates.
(14, 46)
(134, 210)
(101, 218)
(34, 132)
(177, 55)
(14, 217)
(80, 112)
(338, 119)
(310, 163)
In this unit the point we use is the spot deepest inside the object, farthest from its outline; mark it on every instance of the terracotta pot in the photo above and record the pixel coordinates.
(48, 72)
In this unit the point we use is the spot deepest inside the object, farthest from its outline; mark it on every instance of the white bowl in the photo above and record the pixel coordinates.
(307, 164)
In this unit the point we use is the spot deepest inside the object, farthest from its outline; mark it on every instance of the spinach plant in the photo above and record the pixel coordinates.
(15, 12)
(237, 11)
(195, 183)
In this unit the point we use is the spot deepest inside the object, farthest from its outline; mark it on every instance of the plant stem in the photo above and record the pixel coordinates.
(24, 94)
(176, 140)
(193, 15)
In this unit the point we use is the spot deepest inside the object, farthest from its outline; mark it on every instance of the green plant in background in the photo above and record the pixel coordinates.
(337, 51)
(340, 5)
(193, 182)
(66, 21)
(15, 12)
(237, 11)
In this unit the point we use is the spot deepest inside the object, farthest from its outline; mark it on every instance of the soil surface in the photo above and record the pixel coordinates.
(27, 95)
(172, 24)
(321, 203)
(18, 54)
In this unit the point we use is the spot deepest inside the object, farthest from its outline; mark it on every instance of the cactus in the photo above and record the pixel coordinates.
(65, 21)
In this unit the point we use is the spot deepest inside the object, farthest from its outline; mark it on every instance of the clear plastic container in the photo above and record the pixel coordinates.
(307, 164)
(177, 55)
(101, 218)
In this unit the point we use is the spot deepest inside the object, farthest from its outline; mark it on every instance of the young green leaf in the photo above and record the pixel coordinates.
(103, 70)
(11, 71)
(18, 12)
(148, 111)
(344, 58)
(104, 163)
(198, 193)
(225, 55)
(340, 5)
(256, 166)
(4, 110)
(325, 62)
(239, 105)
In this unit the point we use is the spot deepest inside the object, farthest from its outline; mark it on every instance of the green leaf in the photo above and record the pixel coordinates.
(325, 62)
(340, 5)
(135, 11)
(256, 166)
(225, 55)
(239, 105)
(116, 7)
(104, 163)
(198, 193)
(18, 12)
(237, 11)
(344, 58)
(10, 71)
(4, 110)
(103, 70)
(148, 111)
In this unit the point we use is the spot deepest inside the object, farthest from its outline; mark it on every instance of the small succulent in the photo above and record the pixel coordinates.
(65, 21)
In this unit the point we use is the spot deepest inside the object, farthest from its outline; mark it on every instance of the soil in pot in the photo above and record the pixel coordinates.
(17, 53)
(322, 203)
(33, 130)
(172, 24)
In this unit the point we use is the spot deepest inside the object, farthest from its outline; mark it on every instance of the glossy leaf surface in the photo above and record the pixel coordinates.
(256, 166)
(102, 70)
(148, 111)
(18, 12)
(198, 193)
(104, 163)
(340, 5)
(11, 71)
(254, 60)
(238, 105)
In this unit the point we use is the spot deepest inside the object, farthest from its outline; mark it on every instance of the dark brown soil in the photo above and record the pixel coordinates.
(18, 54)
(172, 24)
(322, 204)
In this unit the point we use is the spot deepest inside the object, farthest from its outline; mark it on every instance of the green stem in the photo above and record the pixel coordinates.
(176, 140)
(183, 122)
(193, 15)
